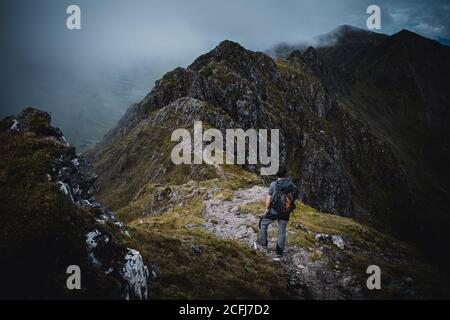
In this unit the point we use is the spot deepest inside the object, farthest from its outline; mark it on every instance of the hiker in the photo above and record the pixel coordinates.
(280, 202)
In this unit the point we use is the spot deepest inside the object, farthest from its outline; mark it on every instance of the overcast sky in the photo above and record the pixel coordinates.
(87, 78)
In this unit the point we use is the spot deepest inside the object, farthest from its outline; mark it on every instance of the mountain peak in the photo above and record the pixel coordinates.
(36, 121)
(226, 50)
(407, 35)
(348, 34)
(295, 55)
(349, 28)
(310, 53)
(228, 45)
(411, 41)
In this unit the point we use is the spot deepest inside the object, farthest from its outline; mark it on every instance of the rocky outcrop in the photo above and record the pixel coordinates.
(50, 220)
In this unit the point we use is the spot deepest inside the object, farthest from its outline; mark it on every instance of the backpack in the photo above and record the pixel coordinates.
(284, 196)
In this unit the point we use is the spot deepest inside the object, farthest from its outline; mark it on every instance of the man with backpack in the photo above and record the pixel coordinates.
(280, 202)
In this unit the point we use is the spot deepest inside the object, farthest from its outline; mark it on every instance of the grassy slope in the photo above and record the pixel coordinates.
(364, 246)
(222, 270)
(144, 155)
(226, 269)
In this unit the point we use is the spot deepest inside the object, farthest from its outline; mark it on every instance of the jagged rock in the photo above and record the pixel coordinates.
(135, 272)
(334, 239)
(300, 227)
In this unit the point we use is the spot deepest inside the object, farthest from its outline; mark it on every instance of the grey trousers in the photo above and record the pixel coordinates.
(282, 224)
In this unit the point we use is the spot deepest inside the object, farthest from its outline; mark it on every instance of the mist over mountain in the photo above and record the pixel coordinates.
(91, 107)
(88, 78)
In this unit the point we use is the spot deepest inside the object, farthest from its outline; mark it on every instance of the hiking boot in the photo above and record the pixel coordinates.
(257, 247)
(279, 251)
(262, 244)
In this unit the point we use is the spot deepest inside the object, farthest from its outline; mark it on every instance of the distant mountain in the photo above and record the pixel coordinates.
(443, 41)
(362, 119)
(347, 35)
(399, 89)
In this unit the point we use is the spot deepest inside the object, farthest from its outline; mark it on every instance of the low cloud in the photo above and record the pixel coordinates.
(88, 78)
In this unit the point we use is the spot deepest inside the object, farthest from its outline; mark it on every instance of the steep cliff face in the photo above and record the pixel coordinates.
(398, 87)
(49, 221)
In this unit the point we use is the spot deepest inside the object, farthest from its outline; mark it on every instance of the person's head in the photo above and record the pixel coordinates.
(281, 172)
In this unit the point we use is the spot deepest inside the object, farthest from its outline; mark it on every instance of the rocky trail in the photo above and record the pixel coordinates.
(308, 276)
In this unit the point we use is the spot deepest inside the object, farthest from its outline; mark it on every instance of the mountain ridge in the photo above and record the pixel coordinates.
(303, 100)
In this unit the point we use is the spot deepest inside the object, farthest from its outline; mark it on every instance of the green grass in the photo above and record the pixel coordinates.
(223, 270)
